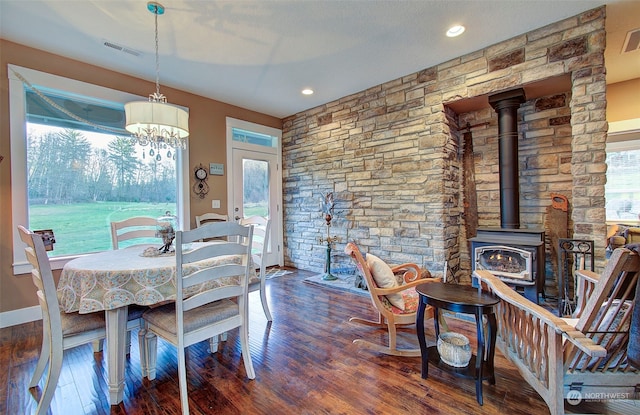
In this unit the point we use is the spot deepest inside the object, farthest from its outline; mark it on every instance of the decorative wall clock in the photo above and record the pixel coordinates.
(200, 187)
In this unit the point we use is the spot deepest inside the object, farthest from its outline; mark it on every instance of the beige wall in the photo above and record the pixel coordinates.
(624, 100)
(207, 128)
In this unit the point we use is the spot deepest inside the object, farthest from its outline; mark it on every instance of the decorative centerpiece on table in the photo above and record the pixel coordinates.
(166, 229)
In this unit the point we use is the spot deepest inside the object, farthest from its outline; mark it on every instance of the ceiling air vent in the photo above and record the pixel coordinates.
(120, 48)
(632, 41)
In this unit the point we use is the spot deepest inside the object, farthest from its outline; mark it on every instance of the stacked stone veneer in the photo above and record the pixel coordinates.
(392, 153)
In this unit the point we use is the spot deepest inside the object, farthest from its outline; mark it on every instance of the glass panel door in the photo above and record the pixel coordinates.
(254, 192)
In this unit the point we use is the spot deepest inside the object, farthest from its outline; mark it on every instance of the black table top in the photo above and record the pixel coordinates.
(457, 294)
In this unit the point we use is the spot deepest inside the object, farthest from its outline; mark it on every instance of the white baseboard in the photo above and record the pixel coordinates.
(20, 316)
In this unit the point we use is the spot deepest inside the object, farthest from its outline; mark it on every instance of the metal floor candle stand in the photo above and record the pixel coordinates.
(328, 276)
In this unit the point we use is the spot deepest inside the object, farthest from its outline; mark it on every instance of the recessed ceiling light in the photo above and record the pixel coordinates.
(307, 91)
(456, 30)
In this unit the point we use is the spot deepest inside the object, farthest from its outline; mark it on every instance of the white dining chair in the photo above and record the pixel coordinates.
(210, 217)
(260, 244)
(212, 311)
(137, 227)
(207, 218)
(60, 331)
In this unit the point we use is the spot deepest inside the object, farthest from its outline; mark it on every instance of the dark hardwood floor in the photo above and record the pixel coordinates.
(305, 363)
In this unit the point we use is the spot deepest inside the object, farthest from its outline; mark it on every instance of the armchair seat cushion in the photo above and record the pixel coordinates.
(410, 300)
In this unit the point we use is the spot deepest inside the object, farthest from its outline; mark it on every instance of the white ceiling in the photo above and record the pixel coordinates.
(259, 54)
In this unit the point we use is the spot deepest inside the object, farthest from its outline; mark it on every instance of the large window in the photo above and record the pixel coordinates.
(622, 191)
(75, 169)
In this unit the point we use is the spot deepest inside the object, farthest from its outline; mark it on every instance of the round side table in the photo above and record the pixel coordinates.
(467, 300)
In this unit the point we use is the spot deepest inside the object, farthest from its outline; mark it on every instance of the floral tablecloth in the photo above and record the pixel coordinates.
(112, 279)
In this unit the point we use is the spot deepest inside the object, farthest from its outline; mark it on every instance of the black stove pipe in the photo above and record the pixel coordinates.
(506, 104)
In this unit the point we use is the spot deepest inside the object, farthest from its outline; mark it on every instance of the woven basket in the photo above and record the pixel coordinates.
(454, 349)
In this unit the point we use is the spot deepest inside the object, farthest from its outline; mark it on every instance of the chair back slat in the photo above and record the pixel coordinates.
(210, 296)
(217, 229)
(203, 265)
(222, 248)
(213, 273)
(210, 217)
(35, 271)
(207, 218)
(621, 266)
(133, 228)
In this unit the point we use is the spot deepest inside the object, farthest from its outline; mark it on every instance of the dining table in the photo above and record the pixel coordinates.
(110, 281)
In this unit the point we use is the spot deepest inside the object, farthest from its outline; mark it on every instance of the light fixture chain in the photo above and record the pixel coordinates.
(157, 56)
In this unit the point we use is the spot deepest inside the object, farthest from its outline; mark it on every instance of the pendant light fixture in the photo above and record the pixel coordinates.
(155, 122)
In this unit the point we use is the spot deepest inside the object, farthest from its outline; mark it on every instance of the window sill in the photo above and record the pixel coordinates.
(56, 263)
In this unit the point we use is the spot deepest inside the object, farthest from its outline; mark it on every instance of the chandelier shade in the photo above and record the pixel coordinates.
(155, 122)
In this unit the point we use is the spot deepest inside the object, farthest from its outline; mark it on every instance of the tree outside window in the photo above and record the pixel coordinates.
(78, 182)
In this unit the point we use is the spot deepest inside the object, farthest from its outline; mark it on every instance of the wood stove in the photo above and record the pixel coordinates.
(515, 255)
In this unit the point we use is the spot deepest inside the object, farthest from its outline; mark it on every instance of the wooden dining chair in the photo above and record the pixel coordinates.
(137, 227)
(218, 306)
(60, 331)
(260, 244)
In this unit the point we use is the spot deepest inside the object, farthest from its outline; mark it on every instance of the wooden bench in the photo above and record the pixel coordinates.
(586, 354)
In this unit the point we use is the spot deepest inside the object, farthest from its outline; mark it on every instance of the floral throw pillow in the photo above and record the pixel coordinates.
(384, 278)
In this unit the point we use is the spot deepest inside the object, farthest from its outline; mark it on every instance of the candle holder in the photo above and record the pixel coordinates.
(328, 276)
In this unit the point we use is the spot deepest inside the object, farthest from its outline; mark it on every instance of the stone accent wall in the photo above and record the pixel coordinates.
(391, 153)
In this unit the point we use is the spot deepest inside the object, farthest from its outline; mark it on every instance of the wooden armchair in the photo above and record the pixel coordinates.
(573, 357)
(390, 316)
